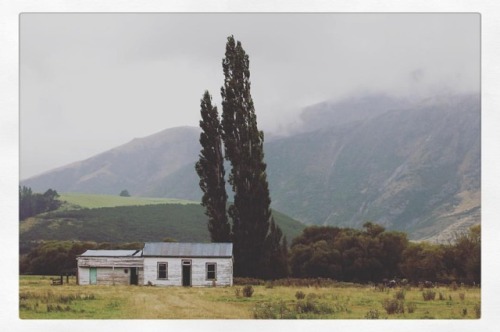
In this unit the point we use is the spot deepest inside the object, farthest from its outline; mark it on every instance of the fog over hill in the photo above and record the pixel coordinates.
(410, 166)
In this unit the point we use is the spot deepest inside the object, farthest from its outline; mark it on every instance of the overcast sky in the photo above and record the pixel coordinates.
(91, 82)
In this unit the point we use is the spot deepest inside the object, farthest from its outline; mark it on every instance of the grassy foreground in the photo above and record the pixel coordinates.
(40, 300)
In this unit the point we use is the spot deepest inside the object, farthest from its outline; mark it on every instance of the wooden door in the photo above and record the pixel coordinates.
(93, 276)
(186, 273)
(134, 278)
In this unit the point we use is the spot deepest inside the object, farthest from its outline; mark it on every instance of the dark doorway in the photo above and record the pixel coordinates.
(134, 277)
(186, 273)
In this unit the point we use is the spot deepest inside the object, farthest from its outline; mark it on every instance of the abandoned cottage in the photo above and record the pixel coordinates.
(159, 263)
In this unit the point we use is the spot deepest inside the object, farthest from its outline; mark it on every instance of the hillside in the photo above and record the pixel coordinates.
(415, 170)
(140, 223)
(135, 166)
(410, 166)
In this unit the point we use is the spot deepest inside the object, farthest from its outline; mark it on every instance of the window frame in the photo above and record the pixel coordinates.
(158, 270)
(207, 271)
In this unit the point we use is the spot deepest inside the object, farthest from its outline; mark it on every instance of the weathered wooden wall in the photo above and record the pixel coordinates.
(198, 271)
(110, 270)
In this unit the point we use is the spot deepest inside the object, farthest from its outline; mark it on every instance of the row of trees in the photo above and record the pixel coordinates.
(374, 254)
(31, 204)
(259, 247)
(368, 255)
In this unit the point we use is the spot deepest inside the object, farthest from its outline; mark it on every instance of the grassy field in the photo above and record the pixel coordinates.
(40, 300)
(93, 201)
(106, 218)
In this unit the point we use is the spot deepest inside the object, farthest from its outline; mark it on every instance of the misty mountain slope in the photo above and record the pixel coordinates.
(406, 169)
(349, 109)
(135, 166)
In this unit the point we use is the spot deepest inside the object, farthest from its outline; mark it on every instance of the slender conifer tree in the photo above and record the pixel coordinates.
(210, 169)
(243, 143)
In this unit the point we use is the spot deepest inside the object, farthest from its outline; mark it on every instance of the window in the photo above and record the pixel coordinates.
(211, 271)
(162, 271)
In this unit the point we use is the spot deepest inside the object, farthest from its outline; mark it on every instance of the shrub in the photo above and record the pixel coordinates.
(372, 314)
(429, 295)
(477, 310)
(263, 311)
(299, 295)
(308, 306)
(400, 294)
(273, 310)
(248, 291)
(311, 305)
(394, 306)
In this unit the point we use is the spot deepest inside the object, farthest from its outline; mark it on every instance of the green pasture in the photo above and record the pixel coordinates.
(38, 299)
(92, 201)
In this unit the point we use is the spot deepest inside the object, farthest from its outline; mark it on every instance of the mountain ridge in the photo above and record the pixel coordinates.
(410, 166)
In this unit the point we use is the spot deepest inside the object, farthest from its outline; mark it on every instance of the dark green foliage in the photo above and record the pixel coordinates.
(243, 142)
(210, 169)
(411, 307)
(299, 295)
(374, 254)
(459, 261)
(31, 204)
(372, 314)
(466, 252)
(347, 254)
(275, 257)
(124, 193)
(400, 294)
(248, 291)
(423, 261)
(122, 224)
(394, 306)
(429, 295)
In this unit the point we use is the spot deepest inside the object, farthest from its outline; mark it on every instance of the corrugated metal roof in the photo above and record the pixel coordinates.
(174, 249)
(112, 253)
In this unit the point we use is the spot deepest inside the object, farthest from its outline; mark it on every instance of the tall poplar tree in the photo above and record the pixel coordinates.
(210, 169)
(243, 143)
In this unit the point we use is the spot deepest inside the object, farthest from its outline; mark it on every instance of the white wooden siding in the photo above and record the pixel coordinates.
(224, 271)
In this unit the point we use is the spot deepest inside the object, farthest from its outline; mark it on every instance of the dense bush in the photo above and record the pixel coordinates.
(248, 291)
(394, 306)
(372, 314)
(411, 307)
(299, 295)
(374, 254)
(429, 295)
